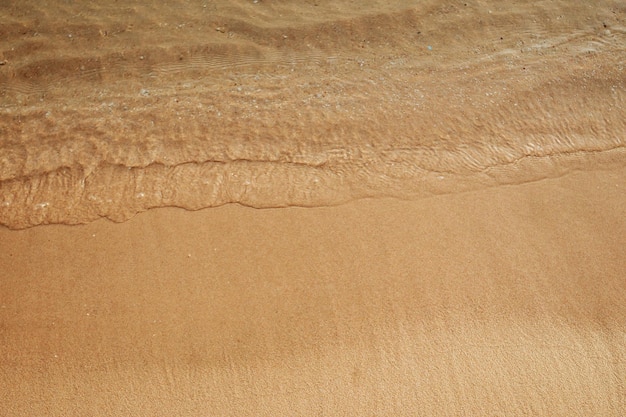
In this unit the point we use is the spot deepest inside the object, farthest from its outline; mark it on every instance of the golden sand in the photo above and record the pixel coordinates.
(428, 218)
(509, 301)
(110, 110)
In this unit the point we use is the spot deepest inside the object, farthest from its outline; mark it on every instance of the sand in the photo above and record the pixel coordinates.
(255, 209)
(510, 301)
(108, 111)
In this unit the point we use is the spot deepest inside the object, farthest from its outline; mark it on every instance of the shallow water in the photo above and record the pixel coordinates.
(107, 111)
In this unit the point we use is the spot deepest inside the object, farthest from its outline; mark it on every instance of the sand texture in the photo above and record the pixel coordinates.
(509, 301)
(109, 110)
(313, 208)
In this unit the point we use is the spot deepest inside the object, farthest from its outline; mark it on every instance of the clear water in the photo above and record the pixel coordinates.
(109, 110)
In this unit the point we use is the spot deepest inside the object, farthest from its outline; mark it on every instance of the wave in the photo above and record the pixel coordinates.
(380, 102)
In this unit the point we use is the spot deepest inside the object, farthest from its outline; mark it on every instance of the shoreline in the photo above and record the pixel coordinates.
(504, 299)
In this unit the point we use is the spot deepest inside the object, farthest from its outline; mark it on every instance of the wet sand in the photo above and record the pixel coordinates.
(109, 111)
(507, 301)
(250, 208)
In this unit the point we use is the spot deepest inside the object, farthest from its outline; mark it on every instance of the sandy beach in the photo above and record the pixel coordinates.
(258, 208)
(509, 301)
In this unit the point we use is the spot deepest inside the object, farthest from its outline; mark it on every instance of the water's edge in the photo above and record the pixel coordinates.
(68, 196)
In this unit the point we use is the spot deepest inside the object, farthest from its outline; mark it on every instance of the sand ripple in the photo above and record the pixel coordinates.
(118, 111)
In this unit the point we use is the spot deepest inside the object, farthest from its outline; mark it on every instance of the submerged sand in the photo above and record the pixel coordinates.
(458, 249)
(110, 110)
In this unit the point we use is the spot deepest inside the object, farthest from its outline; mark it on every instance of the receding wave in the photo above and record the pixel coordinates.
(108, 119)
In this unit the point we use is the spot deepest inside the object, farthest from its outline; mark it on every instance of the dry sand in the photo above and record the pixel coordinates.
(428, 218)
